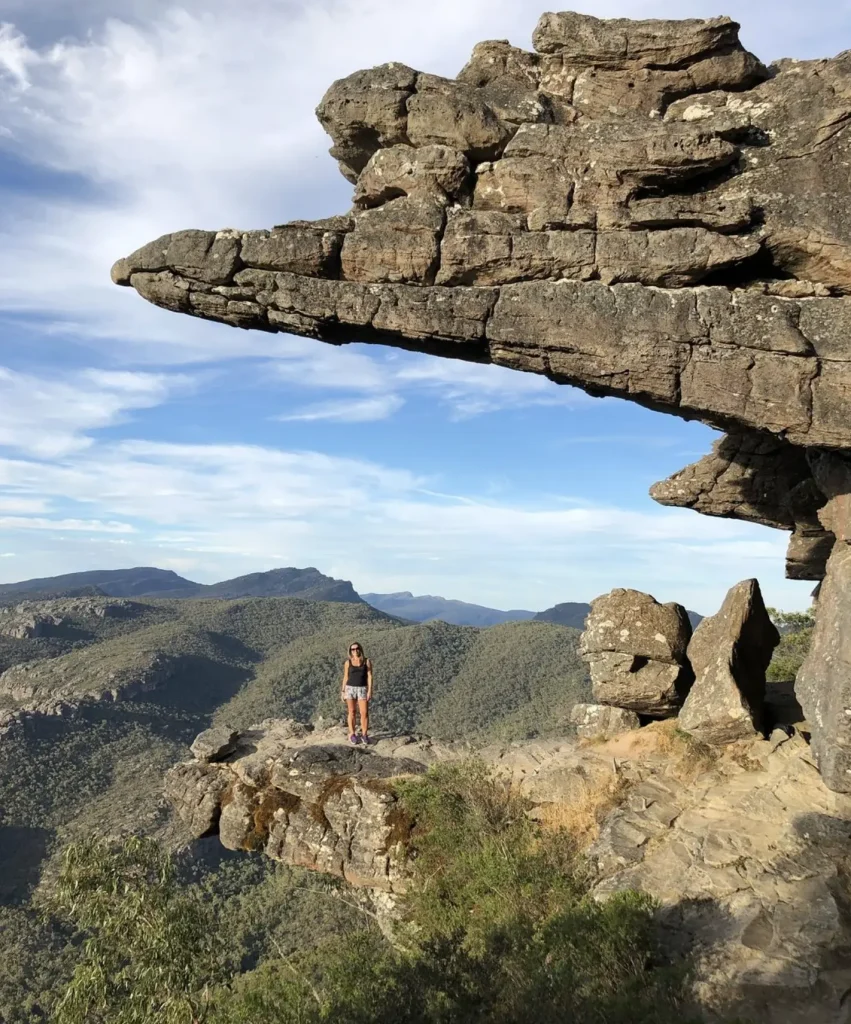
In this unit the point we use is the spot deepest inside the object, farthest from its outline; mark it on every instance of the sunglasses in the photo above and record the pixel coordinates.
(353, 649)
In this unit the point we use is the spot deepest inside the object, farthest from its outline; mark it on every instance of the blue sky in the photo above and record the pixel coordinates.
(131, 436)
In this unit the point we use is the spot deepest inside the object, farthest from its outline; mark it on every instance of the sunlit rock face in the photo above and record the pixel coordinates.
(637, 208)
(744, 854)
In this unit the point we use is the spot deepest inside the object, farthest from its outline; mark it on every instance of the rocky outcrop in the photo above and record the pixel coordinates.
(31, 620)
(744, 852)
(636, 651)
(323, 806)
(637, 208)
(729, 654)
(54, 680)
(746, 860)
(17, 719)
(761, 479)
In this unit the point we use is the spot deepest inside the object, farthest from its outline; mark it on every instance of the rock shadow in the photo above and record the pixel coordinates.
(23, 848)
(198, 686)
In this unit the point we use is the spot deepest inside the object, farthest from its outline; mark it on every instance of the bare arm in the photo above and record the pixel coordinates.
(368, 680)
(345, 679)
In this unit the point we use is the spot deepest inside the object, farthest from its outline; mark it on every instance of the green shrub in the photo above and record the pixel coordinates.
(499, 927)
(151, 950)
(796, 634)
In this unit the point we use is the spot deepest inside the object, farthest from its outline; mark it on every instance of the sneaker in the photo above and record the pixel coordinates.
(353, 739)
(365, 740)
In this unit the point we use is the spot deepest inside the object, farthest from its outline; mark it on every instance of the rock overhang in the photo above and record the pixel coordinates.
(609, 211)
(637, 208)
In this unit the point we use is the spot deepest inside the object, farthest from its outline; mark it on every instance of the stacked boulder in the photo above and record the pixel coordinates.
(644, 661)
(636, 649)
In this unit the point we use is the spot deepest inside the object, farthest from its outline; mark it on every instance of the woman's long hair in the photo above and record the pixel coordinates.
(363, 657)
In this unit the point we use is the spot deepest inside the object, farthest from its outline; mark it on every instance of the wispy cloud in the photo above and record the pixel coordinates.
(464, 389)
(63, 525)
(51, 416)
(358, 410)
(236, 508)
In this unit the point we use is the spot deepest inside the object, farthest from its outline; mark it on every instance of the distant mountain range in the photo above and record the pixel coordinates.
(459, 613)
(308, 584)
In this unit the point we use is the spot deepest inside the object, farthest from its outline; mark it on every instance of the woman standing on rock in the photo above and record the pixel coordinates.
(357, 691)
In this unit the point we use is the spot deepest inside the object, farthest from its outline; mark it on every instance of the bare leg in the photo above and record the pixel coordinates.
(363, 707)
(351, 703)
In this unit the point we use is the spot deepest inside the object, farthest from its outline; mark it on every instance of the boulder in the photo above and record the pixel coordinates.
(652, 688)
(214, 744)
(729, 654)
(601, 722)
(636, 651)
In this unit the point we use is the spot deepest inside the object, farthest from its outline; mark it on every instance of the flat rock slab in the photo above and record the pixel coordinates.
(214, 744)
(599, 721)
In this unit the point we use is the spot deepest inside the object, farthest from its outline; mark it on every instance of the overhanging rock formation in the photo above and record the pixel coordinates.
(640, 209)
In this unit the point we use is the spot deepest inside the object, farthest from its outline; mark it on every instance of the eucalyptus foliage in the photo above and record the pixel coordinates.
(151, 950)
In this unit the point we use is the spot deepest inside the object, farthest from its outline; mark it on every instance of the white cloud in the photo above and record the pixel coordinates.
(51, 416)
(63, 525)
(26, 506)
(235, 508)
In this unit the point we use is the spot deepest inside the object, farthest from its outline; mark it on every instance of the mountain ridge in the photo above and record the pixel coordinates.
(149, 581)
(308, 584)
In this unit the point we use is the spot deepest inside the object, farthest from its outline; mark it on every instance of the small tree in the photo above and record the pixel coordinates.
(796, 634)
(151, 950)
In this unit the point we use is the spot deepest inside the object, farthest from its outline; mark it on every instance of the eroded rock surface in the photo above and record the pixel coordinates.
(744, 852)
(601, 721)
(729, 654)
(318, 805)
(746, 860)
(638, 208)
(636, 652)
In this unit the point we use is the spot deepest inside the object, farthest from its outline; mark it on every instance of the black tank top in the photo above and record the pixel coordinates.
(357, 674)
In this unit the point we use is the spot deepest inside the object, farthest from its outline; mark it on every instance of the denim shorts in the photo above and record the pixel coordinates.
(356, 692)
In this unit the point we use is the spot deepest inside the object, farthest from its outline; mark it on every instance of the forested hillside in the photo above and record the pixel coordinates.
(110, 693)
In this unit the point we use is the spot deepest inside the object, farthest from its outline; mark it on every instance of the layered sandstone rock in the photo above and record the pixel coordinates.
(729, 654)
(636, 651)
(323, 806)
(824, 682)
(636, 208)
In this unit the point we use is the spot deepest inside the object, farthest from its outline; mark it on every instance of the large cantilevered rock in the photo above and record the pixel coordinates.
(636, 208)
(556, 211)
